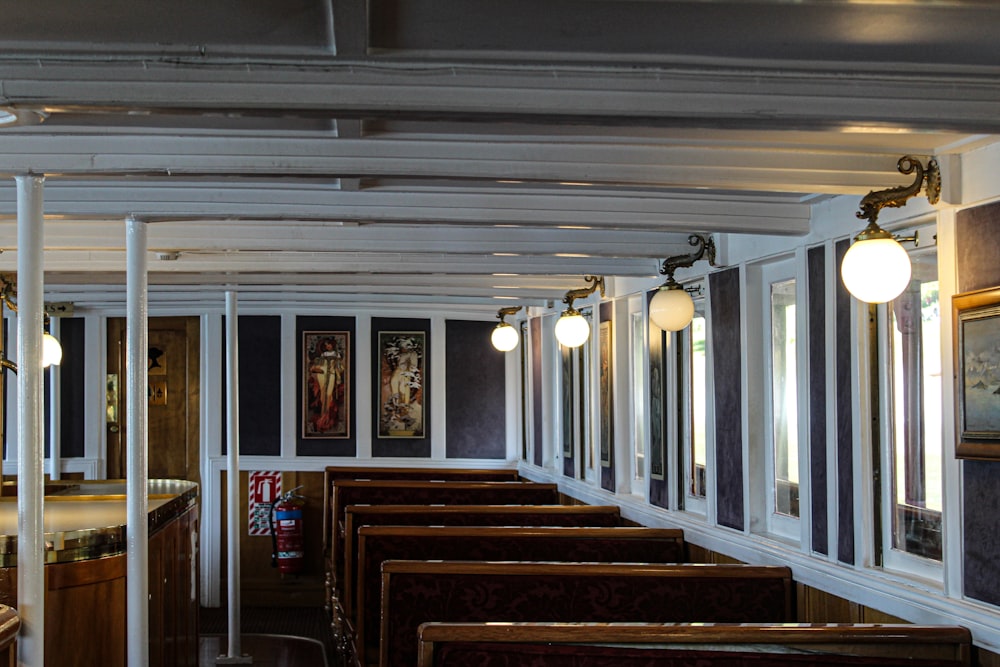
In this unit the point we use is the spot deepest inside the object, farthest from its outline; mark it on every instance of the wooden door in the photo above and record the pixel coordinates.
(173, 396)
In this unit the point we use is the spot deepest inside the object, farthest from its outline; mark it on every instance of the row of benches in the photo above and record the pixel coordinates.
(420, 570)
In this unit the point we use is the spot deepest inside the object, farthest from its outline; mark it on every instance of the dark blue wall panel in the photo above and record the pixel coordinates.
(816, 268)
(656, 458)
(71, 387)
(727, 354)
(608, 471)
(845, 416)
(259, 343)
(977, 238)
(535, 331)
(475, 392)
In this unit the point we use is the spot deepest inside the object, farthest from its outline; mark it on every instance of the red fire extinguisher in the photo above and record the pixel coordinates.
(287, 533)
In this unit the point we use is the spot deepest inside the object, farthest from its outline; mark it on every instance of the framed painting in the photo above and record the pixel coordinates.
(326, 385)
(401, 390)
(976, 322)
(606, 414)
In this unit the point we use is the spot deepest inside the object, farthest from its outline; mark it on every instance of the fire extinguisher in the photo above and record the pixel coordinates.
(287, 533)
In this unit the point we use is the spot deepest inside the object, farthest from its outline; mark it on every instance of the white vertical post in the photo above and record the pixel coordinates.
(55, 431)
(137, 441)
(30, 444)
(233, 481)
(233, 471)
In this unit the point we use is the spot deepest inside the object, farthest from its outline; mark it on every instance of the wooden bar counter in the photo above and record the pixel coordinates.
(86, 565)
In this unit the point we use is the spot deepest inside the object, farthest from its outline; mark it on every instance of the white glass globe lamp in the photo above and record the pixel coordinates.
(572, 329)
(876, 268)
(671, 308)
(504, 337)
(51, 350)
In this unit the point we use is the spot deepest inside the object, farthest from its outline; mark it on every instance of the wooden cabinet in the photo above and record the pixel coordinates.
(85, 582)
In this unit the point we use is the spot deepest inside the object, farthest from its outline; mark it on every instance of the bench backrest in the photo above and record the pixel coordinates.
(377, 544)
(356, 516)
(333, 473)
(416, 592)
(665, 645)
(394, 492)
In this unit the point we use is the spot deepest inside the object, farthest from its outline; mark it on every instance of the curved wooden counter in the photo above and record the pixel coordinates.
(85, 572)
(10, 623)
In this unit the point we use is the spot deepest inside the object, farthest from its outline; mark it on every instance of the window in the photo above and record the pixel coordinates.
(784, 401)
(637, 372)
(775, 420)
(694, 392)
(912, 491)
(584, 394)
(524, 360)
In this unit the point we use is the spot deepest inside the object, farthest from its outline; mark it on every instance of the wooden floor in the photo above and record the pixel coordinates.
(266, 650)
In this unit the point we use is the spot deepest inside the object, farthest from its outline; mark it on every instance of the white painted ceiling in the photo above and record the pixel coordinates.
(464, 152)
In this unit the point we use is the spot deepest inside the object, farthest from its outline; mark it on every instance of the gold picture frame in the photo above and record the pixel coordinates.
(976, 327)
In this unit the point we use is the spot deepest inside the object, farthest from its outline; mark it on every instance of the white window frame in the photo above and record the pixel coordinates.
(691, 503)
(781, 525)
(895, 560)
(638, 395)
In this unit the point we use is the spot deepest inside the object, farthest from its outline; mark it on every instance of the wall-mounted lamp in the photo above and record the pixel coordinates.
(51, 348)
(504, 336)
(672, 308)
(572, 329)
(876, 268)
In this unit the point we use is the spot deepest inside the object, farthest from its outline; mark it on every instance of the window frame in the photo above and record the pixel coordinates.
(782, 526)
(638, 397)
(892, 559)
(689, 502)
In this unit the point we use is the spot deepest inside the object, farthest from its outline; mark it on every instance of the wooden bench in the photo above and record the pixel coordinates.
(666, 645)
(334, 473)
(356, 516)
(377, 544)
(410, 492)
(416, 592)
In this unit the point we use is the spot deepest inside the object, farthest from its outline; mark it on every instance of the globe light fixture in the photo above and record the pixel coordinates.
(572, 328)
(52, 351)
(672, 308)
(505, 336)
(876, 268)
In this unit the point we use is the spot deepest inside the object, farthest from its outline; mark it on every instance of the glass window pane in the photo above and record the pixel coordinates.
(784, 399)
(638, 328)
(697, 417)
(917, 397)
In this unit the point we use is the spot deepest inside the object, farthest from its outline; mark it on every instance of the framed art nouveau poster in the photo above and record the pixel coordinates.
(326, 385)
(401, 375)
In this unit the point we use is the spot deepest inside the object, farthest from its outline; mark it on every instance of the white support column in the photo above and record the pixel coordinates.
(55, 432)
(30, 442)
(234, 655)
(137, 497)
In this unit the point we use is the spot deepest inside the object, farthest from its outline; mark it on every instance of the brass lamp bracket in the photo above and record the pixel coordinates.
(897, 197)
(705, 246)
(573, 295)
(509, 310)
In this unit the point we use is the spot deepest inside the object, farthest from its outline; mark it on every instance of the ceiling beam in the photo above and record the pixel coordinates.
(598, 208)
(756, 94)
(645, 164)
